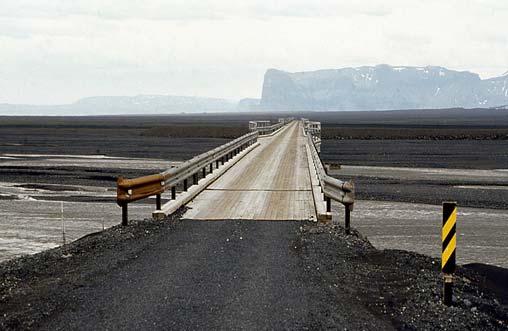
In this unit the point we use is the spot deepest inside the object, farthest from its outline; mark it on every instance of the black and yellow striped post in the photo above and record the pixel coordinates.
(449, 240)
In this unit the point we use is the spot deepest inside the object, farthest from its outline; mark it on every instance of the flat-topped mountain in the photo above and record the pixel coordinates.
(381, 87)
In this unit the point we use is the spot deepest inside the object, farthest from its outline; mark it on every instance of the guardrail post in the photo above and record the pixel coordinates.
(194, 179)
(185, 184)
(328, 205)
(217, 164)
(204, 172)
(222, 160)
(211, 167)
(173, 193)
(347, 220)
(125, 216)
(158, 202)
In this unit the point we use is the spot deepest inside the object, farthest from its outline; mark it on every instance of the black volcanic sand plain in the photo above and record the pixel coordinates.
(450, 138)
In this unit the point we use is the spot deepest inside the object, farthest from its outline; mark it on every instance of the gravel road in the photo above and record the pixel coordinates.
(236, 275)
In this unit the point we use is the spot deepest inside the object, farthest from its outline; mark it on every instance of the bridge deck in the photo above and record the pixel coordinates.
(270, 183)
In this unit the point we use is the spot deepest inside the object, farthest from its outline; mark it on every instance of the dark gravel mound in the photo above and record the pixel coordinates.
(402, 286)
(493, 277)
(35, 287)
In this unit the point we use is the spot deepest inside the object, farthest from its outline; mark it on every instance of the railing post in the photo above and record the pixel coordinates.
(158, 202)
(347, 219)
(125, 216)
(328, 204)
(194, 179)
(216, 164)
(204, 172)
(222, 160)
(173, 193)
(211, 167)
(185, 184)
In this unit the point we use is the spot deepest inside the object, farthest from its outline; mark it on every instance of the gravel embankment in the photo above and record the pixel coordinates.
(239, 275)
(403, 287)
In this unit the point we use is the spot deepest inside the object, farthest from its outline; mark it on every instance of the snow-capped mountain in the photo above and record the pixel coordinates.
(381, 87)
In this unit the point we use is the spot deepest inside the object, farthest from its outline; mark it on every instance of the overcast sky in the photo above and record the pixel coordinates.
(57, 51)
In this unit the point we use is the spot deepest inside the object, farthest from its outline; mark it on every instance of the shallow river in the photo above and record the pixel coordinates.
(30, 224)
(482, 234)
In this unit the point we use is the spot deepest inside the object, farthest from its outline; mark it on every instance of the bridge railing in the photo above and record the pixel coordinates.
(264, 127)
(130, 190)
(332, 188)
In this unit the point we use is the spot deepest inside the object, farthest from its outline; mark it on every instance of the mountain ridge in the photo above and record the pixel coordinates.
(119, 105)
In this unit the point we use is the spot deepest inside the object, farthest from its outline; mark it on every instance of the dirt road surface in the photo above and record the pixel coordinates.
(236, 275)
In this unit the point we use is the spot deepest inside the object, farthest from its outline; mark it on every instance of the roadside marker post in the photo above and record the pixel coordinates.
(449, 244)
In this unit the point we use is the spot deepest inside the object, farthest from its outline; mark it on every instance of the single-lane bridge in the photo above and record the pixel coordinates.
(272, 173)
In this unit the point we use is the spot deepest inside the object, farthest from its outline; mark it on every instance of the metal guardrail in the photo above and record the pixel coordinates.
(332, 188)
(130, 190)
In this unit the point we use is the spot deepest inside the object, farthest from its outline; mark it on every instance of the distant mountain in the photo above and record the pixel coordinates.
(248, 104)
(113, 105)
(153, 104)
(381, 87)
